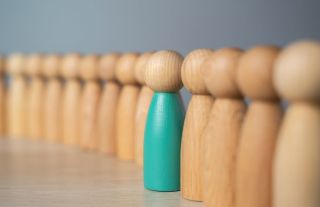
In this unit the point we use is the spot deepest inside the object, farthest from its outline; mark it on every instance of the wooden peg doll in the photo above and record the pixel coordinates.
(223, 129)
(89, 102)
(108, 104)
(164, 124)
(16, 105)
(297, 159)
(52, 98)
(194, 125)
(36, 87)
(2, 98)
(126, 108)
(260, 128)
(143, 104)
(71, 99)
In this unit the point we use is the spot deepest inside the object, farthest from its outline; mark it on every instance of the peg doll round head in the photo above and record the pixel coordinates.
(89, 67)
(297, 71)
(15, 64)
(140, 67)
(163, 71)
(255, 72)
(71, 65)
(51, 66)
(107, 66)
(191, 71)
(125, 68)
(34, 65)
(219, 72)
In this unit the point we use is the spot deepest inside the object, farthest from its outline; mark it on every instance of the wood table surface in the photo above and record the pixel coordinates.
(37, 173)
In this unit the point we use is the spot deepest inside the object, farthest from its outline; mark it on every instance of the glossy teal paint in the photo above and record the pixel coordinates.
(162, 142)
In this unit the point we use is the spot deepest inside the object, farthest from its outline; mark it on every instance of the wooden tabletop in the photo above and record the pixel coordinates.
(35, 173)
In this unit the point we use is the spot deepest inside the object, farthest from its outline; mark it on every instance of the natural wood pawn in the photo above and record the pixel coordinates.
(297, 158)
(223, 129)
(16, 103)
(35, 101)
(52, 98)
(71, 99)
(108, 104)
(89, 102)
(2, 98)
(126, 108)
(195, 122)
(260, 128)
(143, 104)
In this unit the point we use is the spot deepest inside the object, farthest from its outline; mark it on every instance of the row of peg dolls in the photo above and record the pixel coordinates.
(232, 153)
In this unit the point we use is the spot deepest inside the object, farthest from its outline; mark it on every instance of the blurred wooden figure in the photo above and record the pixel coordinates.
(2, 98)
(162, 139)
(52, 98)
(194, 125)
(143, 104)
(17, 99)
(89, 102)
(71, 99)
(260, 128)
(126, 108)
(35, 101)
(223, 129)
(297, 158)
(108, 104)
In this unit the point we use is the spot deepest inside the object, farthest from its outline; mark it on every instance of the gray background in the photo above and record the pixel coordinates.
(99, 25)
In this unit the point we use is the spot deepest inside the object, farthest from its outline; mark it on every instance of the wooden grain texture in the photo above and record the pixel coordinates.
(89, 115)
(255, 156)
(35, 173)
(162, 73)
(53, 110)
(143, 103)
(107, 117)
(125, 118)
(192, 152)
(71, 112)
(195, 122)
(222, 138)
(16, 106)
(35, 108)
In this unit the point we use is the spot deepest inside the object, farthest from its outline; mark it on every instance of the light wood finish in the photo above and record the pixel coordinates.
(35, 108)
(221, 135)
(164, 64)
(297, 161)
(2, 98)
(195, 122)
(35, 173)
(71, 99)
(35, 104)
(52, 99)
(127, 105)
(260, 128)
(143, 104)
(89, 102)
(107, 117)
(16, 103)
(108, 104)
